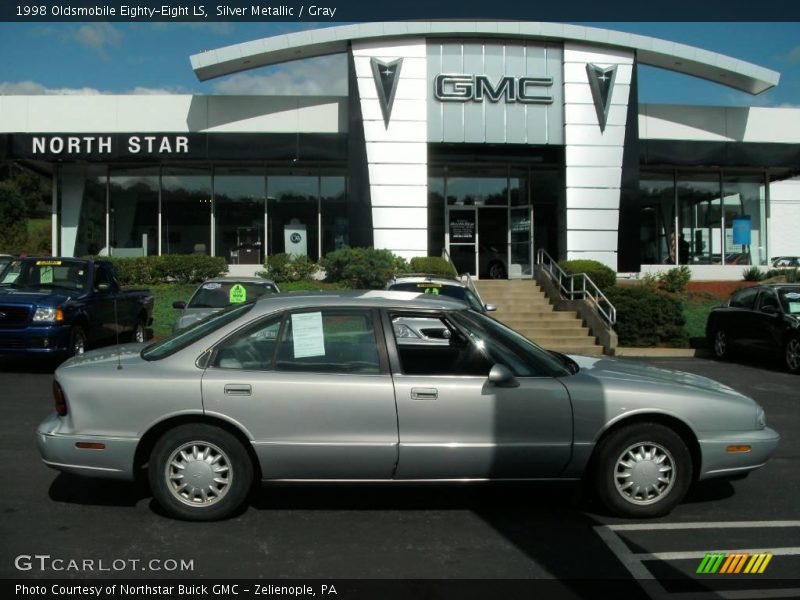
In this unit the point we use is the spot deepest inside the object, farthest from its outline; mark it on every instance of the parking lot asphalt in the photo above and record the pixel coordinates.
(470, 531)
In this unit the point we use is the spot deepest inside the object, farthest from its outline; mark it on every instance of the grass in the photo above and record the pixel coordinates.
(695, 310)
(164, 316)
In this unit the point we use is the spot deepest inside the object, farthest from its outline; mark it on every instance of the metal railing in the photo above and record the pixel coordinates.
(465, 278)
(577, 287)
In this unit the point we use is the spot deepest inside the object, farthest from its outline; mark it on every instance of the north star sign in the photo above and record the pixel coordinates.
(476, 88)
(100, 144)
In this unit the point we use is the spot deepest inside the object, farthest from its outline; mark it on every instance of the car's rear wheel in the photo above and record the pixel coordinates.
(721, 345)
(200, 472)
(139, 333)
(642, 470)
(497, 270)
(792, 354)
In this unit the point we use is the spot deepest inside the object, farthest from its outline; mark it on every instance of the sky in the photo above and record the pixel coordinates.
(122, 58)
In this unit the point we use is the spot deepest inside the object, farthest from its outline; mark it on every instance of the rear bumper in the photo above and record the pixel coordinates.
(58, 451)
(717, 462)
(47, 340)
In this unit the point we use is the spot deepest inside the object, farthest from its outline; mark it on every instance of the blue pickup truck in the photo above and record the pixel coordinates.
(62, 306)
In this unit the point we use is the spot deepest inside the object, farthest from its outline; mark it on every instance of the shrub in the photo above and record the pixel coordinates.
(368, 268)
(432, 265)
(13, 219)
(753, 274)
(172, 268)
(647, 318)
(675, 280)
(604, 277)
(283, 268)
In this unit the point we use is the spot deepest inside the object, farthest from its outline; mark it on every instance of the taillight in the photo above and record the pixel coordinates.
(60, 399)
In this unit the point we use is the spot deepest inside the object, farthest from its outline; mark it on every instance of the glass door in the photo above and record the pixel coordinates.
(520, 218)
(493, 242)
(461, 239)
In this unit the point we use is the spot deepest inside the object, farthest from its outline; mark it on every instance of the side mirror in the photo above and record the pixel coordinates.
(501, 376)
(103, 287)
(490, 307)
(179, 304)
(770, 309)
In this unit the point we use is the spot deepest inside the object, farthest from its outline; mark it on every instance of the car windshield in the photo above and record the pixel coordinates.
(45, 273)
(441, 289)
(219, 294)
(187, 337)
(790, 299)
(507, 347)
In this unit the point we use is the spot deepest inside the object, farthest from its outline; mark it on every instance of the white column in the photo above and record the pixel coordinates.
(397, 155)
(73, 183)
(593, 157)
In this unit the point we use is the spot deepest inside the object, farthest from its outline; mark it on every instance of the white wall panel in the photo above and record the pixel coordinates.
(407, 89)
(397, 153)
(402, 110)
(607, 258)
(579, 93)
(596, 54)
(594, 156)
(591, 241)
(403, 131)
(576, 73)
(397, 217)
(593, 198)
(399, 195)
(585, 114)
(593, 219)
(389, 174)
(402, 239)
(415, 68)
(590, 135)
(593, 177)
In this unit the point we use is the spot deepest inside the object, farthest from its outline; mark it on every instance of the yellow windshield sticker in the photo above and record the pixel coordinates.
(429, 285)
(238, 294)
(46, 275)
(41, 263)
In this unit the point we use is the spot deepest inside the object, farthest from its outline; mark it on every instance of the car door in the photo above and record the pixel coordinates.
(742, 319)
(313, 390)
(769, 321)
(104, 315)
(455, 424)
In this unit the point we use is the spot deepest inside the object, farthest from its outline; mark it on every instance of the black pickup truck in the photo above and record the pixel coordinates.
(61, 306)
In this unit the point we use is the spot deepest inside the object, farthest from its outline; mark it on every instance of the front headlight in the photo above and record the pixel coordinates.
(761, 418)
(48, 315)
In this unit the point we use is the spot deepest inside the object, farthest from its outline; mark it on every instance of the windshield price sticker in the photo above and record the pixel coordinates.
(794, 308)
(54, 263)
(307, 335)
(238, 294)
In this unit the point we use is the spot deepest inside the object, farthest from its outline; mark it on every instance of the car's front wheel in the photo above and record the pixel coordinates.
(77, 341)
(721, 345)
(642, 470)
(792, 354)
(200, 472)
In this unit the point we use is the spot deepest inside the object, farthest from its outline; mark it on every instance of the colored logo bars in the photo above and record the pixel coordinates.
(733, 564)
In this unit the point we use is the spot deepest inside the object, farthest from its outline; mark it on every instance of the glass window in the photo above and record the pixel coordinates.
(790, 299)
(333, 204)
(133, 218)
(329, 341)
(699, 239)
(657, 216)
(477, 186)
(293, 211)
(745, 220)
(435, 211)
(768, 300)
(250, 350)
(84, 199)
(438, 289)
(432, 346)
(745, 299)
(239, 215)
(219, 294)
(185, 211)
(186, 337)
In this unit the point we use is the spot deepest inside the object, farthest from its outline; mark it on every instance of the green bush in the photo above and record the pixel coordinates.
(283, 268)
(646, 318)
(172, 268)
(362, 268)
(675, 280)
(432, 265)
(753, 274)
(604, 277)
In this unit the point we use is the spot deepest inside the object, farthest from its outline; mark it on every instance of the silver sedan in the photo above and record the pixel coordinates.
(315, 387)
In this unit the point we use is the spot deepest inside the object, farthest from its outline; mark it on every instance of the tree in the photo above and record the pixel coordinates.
(13, 218)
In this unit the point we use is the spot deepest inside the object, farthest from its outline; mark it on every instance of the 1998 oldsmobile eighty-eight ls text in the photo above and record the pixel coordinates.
(318, 387)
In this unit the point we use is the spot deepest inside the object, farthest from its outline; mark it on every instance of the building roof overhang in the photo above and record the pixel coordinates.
(689, 60)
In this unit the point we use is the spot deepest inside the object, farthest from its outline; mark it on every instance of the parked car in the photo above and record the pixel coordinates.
(61, 306)
(315, 387)
(760, 320)
(786, 261)
(220, 292)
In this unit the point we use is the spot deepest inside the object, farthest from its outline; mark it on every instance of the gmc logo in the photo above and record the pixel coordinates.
(463, 88)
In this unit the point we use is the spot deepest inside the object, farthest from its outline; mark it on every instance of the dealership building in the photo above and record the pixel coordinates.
(490, 140)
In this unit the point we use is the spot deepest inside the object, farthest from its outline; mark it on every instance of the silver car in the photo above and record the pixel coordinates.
(220, 292)
(315, 387)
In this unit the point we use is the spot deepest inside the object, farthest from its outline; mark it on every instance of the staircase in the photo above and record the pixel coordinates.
(523, 306)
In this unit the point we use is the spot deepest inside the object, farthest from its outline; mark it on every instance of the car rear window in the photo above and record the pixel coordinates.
(219, 294)
(440, 289)
(744, 299)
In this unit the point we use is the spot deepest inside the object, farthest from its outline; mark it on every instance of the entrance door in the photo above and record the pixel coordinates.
(462, 239)
(520, 248)
(493, 242)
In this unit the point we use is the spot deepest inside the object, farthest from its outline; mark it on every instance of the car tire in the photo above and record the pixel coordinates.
(216, 461)
(77, 341)
(642, 471)
(720, 344)
(497, 270)
(791, 354)
(139, 333)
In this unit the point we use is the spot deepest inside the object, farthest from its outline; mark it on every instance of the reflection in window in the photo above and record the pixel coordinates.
(186, 211)
(293, 211)
(84, 205)
(699, 239)
(133, 217)
(333, 206)
(239, 216)
(657, 216)
(745, 219)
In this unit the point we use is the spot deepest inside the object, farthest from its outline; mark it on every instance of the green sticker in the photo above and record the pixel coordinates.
(46, 275)
(238, 294)
(434, 291)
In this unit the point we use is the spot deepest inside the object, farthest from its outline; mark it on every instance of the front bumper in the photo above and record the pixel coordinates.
(59, 452)
(45, 339)
(719, 463)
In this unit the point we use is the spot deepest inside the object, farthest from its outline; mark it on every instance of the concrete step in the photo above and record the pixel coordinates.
(557, 342)
(547, 330)
(537, 317)
(519, 304)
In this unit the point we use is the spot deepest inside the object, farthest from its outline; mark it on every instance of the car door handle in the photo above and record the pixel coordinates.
(237, 389)
(424, 393)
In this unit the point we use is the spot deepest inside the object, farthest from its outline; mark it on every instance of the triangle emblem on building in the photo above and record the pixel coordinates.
(601, 82)
(387, 76)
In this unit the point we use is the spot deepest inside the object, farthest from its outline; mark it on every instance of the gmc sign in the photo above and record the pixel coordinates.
(465, 88)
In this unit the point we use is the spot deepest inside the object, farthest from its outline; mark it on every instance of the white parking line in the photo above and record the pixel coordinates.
(634, 562)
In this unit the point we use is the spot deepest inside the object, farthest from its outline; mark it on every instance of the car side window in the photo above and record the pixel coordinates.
(329, 341)
(768, 300)
(745, 299)
(429, 345)
(250, 350)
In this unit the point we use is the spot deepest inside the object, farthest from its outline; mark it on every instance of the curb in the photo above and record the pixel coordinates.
(663, 352)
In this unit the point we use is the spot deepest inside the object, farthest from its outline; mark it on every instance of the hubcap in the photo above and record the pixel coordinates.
(720, 343)
(645, 473)
(198, 474)
(793, 354)
(139, 335)
(79, 346)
